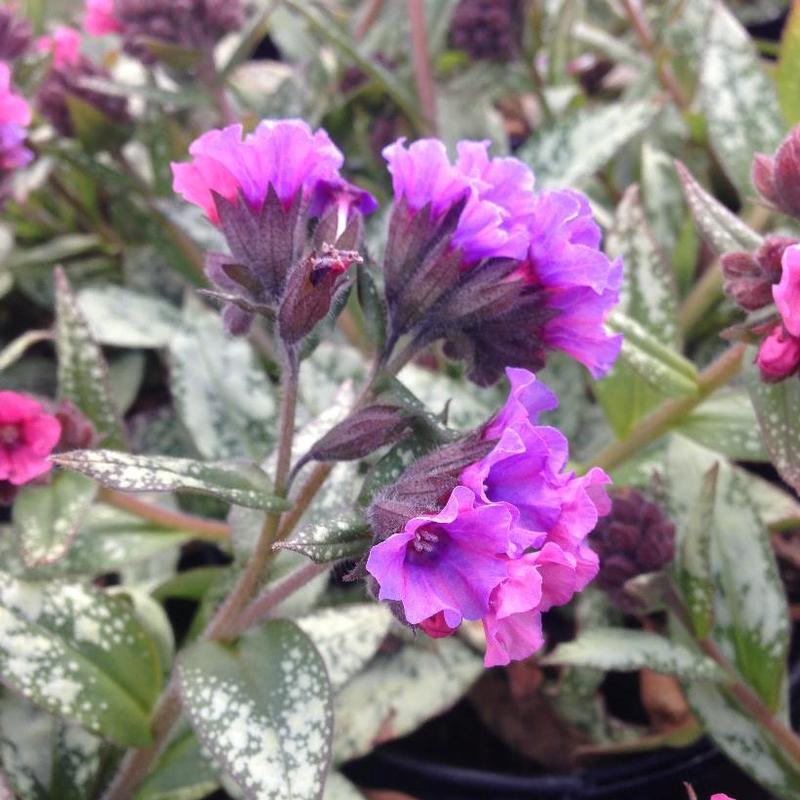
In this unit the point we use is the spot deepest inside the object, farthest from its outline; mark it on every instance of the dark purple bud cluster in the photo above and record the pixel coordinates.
(487, 29)
(637, 537)
(749, 278)
(777, 178)
(194, 24)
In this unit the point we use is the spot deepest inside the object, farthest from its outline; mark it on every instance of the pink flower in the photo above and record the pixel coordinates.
(720, 796)
(27, 437)
(64, 45)
(99, 18)
(787, 292)
(281, 155)
(779, 355)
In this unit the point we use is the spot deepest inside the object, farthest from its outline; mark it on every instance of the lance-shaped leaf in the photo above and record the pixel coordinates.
(123, 318)
(648, 298)
(372, 306)
(718, 225)
(659, 365)
(82, 369)
(628, 650)
(347, 637)
(751, 620)
(570, 150)
(262, 711)
(662, 197)
(331, 538)
(738, 98)
(776, 406)
(693, 565)
(47, 518)
(77, 760)
(81, 655)
(222, 396)
(234, 482)
(399, 691)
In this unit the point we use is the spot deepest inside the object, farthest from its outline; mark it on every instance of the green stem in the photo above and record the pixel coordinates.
(426, 90)
(671, 411)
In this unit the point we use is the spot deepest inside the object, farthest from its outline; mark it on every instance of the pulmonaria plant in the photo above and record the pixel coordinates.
(503, 538)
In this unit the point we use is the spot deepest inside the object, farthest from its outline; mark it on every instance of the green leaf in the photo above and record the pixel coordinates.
(347, 637)
(740, 737)
(649, 298)
(787, 73)
(95, 130)
(372, 307)
(738, 99)
(776, 406)
(26, 735)
(47, 518)
(81, 655)
(726, 422)
(629, 650)
(659, 365)
(751, 620)
(693, 564)
(337, 787)
(262, 711)
(399, 691)
(332, 538)
(181, 772)
(718, 226)
(77, 760)
(221, 394)
(662, 198)
(123, 318)
(82, 369)
(234, 482)
(572, 149)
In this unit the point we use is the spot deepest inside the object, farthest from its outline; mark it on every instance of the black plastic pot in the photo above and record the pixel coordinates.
(658, 775)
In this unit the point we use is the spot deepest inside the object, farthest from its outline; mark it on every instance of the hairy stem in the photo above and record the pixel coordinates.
(225, 619)
(672, 411)
(199, 527)
(260, 608)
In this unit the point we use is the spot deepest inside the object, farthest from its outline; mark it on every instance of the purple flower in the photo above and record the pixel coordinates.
(524, 555)
(580, 284)
(787, 291)
(15, 116)
(502, 274)
(283, 155)
(447, 562)
(498, 191)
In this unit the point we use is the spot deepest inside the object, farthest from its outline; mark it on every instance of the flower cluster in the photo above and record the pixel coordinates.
(15, 116)
(501, 273)
(194, 24)
(502, 539)
(261, 191)
(64, 84)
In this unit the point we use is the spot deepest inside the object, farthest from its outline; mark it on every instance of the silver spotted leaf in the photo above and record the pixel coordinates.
(80, 655)
(47, 518)
(342, 536)
(234, 482)
(262, 711)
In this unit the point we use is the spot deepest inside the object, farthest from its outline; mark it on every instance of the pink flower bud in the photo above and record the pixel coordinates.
(787, 174)
(763, 176)
(779, 355)
(436, 627)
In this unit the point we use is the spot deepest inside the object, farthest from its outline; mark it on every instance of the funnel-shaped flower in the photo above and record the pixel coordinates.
(99, 18)
(15, 115)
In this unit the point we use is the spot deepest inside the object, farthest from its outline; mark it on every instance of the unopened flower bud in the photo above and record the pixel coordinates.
(436, 627)
(77, 431)
(361, 433)
(635, 538)
(778, 356)
(749, 278)
(310, 289)
(777, 179)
